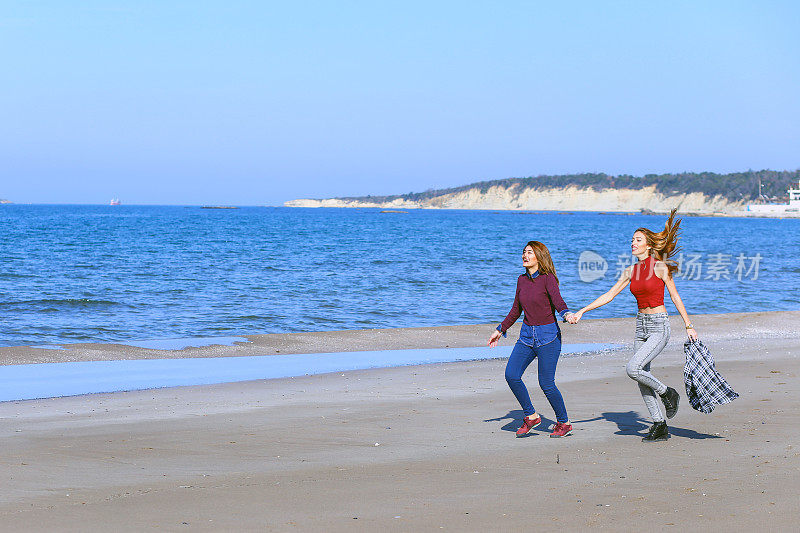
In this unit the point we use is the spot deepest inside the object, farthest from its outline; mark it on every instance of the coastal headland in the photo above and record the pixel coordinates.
(415, 448)
(696, 193)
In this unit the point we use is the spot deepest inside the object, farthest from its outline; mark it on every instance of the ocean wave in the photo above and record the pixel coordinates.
(270, 268)
(68, 302)
(251, 318)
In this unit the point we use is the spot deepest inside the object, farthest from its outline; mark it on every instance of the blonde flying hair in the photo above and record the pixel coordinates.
(543, 257)
(664, 244)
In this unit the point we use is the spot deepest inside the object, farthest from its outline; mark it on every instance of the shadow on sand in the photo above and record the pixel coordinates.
(628, 423)
(515, 421)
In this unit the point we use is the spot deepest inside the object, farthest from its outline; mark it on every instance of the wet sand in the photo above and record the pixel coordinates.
(419, 448)
(610, 330)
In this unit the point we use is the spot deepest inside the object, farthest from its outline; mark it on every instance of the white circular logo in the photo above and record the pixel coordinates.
(591, 266)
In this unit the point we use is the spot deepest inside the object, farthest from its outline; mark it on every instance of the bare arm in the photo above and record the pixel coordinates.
(662, 272)
(606, 297)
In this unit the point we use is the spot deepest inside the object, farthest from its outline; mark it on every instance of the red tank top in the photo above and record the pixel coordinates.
(645, 285)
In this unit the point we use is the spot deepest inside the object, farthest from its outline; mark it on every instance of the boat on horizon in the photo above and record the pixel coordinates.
(115, 201)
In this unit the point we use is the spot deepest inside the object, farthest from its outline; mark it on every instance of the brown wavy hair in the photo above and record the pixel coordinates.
(543, 257)
(664, 244)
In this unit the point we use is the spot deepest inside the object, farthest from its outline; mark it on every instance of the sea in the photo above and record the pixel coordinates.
(81, 273)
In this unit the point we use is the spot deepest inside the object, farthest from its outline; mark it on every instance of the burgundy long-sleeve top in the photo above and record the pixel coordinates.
(538, 297)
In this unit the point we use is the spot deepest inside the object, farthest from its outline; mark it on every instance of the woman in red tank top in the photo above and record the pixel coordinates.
(647, 279)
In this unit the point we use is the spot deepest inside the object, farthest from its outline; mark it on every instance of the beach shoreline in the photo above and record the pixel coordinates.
(604, 330)
(421, 447)
(404, 208)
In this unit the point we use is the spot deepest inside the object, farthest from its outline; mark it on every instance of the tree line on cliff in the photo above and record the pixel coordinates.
(735, 187)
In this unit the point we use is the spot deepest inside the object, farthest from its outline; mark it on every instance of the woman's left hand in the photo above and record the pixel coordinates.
(692, 334)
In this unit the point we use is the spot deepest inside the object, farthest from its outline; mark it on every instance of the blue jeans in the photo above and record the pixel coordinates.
(523, 355)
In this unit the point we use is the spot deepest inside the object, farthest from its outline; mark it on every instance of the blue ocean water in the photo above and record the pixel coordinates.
(121, 273)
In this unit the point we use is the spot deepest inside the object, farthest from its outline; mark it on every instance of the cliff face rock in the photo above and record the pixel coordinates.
(570, 198)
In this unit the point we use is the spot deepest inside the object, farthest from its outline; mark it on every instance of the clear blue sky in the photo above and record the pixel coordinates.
(258, 102)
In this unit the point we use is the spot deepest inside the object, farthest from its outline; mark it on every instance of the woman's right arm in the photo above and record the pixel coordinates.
(513, 315)
(609, 295)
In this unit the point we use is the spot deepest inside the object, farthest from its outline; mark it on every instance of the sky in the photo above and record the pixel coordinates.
(257, 102)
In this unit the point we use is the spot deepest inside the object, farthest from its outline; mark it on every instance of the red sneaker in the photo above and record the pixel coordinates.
(528, 424)
(561, 430)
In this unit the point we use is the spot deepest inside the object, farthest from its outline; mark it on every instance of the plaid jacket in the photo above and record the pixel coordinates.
(704, 386)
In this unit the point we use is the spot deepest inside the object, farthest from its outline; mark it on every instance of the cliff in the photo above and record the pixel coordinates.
(690, 193)
(552, 199)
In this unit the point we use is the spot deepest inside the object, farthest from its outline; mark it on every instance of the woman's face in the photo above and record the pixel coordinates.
(638, 243)
(529, 258)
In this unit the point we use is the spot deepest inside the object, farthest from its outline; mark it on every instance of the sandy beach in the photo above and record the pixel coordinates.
(422, 448)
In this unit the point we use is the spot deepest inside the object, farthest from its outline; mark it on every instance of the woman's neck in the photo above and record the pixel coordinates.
(532, 270)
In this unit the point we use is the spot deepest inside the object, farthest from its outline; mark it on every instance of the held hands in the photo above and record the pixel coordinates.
(573, 318)
(494, 338)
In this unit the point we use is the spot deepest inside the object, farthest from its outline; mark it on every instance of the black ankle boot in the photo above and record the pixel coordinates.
(658, 432)
(671, 399)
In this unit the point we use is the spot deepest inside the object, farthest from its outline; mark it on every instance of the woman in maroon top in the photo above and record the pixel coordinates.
(539, 337)
(648, 278)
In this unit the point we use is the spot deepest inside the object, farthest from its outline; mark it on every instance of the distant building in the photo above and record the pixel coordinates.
(794, 196)
(791, 207)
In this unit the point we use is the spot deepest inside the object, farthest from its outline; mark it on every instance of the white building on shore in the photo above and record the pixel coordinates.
(794, 196)
(792, 207)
